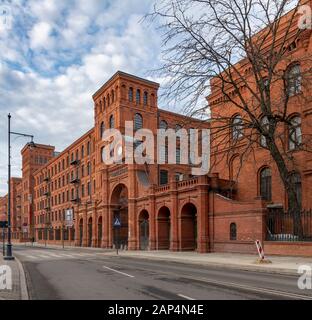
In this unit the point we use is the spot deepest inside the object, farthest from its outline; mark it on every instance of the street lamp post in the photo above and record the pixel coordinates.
(9, 255)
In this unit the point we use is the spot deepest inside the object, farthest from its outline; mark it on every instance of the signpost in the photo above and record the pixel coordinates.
(117, 226)
(260, 250)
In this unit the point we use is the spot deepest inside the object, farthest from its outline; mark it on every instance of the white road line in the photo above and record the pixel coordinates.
(125, 274)
(44, 256)
(55, 255)
(64, 255)
(186, 297)
(31, 257)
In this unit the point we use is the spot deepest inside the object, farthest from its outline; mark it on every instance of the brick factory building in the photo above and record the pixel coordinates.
(161, 207)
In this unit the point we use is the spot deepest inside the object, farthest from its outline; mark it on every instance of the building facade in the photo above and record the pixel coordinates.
(254, 173)
(159, 206)
(162, 207)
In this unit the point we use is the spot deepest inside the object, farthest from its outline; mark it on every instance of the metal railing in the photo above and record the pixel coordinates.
(284, 227)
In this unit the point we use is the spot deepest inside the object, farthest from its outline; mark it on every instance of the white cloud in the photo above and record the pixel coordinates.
(49, 92)
(40, 36)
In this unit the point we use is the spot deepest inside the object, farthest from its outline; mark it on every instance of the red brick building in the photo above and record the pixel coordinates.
(258, 186)
(161, 207)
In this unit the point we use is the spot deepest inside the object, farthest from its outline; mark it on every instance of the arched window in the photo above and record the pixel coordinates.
(178, 128)
(294, 80)
(82, 152)
(265, 126)
(138, 122)
(295, 134)
(233, 232)
(237, 127)
(131, 95)
(266, 184)
(104, 103)
(111, 122)
(145, 98)
(102, 129)
(113, 96)
(102, 154)
(108, 100)
(138, 96)
(88, 148)
(152, 100)
(295, 180)
(163, 125)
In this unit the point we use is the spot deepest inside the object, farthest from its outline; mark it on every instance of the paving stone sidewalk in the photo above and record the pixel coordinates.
(19, 290)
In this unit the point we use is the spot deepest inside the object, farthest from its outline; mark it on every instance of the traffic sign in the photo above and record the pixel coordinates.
(69, 218)
(117, 223)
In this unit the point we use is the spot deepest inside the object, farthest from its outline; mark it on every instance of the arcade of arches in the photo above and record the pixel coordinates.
(146, 224)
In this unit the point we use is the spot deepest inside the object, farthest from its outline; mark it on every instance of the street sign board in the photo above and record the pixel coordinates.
(117, 222)
(69, 218)
(3, 224)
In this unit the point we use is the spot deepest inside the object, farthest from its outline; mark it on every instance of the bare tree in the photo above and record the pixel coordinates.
(242, 51)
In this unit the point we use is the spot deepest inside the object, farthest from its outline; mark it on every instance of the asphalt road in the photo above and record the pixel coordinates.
(54, 274)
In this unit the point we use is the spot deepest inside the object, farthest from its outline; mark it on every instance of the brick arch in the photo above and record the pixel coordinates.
(115, 192)
(119, 210)
(80, 235)
(89, 233)
(189, 229)
(99, 230)
(184, 203)
(163, 228)
(144, 229)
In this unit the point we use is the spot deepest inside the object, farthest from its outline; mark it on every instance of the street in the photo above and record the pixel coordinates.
(80, 274)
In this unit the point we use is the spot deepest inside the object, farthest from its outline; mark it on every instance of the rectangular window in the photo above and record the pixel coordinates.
(163, 179)
(89, 189)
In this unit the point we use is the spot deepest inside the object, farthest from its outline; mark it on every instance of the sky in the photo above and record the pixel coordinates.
(55, 54)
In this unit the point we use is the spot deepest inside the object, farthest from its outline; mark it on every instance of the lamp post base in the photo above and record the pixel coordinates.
(8, 256)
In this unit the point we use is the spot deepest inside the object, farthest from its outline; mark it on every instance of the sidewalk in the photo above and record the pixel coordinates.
(247, 262)
(19, 288)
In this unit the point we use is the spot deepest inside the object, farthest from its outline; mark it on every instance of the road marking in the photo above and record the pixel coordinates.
(186, 297)
(44, 257)
(31, 257)
(125, 274)
(55, 255)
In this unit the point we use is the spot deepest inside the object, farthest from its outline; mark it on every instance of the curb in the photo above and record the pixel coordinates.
(23, 284)
(250, 268)
(286, 272)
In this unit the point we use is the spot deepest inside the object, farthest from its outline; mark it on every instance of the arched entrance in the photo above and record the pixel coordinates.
(189, 227)
(119, 210)
(80, 232)
(99, 236)
(90, 232)
(163, 229)
(144, 230)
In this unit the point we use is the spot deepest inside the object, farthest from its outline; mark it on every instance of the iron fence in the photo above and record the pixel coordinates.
(285, 227)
